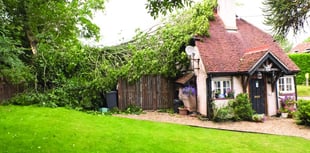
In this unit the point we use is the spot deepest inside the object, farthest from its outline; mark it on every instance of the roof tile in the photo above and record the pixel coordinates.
(237, 51)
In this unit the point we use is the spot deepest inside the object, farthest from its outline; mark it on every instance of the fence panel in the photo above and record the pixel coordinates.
(149, 93)
(8, 90)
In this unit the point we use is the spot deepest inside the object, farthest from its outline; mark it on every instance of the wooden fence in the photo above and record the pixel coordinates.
(8, 90)
(149, 93)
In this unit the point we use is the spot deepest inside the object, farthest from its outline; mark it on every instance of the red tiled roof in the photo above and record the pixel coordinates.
(237, 51)
(249, 59)
(302, 47)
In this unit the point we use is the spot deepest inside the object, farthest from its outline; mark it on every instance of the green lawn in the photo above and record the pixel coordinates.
(303, 90)
(33, 129)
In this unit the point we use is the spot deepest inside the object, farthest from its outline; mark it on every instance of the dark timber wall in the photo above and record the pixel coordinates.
(149, 93)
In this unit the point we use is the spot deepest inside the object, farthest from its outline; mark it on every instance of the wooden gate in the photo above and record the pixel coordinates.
(149, 93)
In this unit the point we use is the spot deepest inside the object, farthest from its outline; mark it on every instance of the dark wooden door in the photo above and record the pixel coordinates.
(257, 95)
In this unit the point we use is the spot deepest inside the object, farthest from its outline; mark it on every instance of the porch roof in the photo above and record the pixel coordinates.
(185, 78)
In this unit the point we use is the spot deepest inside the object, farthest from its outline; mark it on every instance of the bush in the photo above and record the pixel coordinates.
(223, 114)
(303, 112)
(242, 107)
(133, 109)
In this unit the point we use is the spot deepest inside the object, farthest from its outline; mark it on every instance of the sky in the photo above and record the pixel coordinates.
(121, 18)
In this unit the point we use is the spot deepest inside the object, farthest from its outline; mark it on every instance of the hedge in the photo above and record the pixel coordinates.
(303, 62)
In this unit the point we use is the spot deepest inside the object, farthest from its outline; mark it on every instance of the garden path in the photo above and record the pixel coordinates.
(272, 125)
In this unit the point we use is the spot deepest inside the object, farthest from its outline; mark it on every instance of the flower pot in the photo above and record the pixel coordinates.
(284, 115)
(183, 111)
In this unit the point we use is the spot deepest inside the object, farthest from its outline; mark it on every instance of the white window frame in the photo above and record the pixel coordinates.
(286, 84)
(218, 84)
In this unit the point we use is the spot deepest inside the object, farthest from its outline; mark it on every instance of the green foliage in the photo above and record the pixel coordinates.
(242, 107)
(161, 52)
(284, 43)
(303, 62)
(12, 68)
(133, 109)
(237, 109)
(258, 117)
(69, 74)
(223, 114)
(155, 7)
(303, 112)
(284, 15)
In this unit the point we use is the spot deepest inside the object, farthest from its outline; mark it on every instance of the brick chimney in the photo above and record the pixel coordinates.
(226, 11)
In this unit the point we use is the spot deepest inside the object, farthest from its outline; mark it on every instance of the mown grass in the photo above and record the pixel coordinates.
(303, 90)
(33, 129)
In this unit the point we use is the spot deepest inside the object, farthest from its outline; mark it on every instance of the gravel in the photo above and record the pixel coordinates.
(272, 125)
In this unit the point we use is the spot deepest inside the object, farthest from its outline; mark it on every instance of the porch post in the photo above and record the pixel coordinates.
(245, 82)
(295, 86)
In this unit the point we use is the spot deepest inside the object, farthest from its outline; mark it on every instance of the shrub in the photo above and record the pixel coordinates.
(303, 112)
(258, 118)
(223, 114)
(133, 109)
(242, 107)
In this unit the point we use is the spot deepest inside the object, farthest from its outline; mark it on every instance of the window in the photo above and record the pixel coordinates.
(285, 84)
(221, 88)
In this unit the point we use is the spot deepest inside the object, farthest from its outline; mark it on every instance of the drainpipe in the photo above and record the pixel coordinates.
(209, 96)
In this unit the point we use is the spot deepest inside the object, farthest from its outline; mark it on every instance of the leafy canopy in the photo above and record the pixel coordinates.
(286, 15)
(162, 51)
(157, 7)
(31, 27)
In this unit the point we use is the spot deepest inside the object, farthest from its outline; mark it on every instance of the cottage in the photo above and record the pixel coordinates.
(301, 48)
(236, 58)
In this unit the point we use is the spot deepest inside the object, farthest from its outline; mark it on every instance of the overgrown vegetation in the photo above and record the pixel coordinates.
(66, 73)
(237, 109)
(161, 51)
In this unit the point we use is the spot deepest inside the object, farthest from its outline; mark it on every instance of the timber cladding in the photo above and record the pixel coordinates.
(149, 93)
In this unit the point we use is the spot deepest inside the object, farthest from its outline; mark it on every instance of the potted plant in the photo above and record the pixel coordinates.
(217, 93)
(189, 91)
(230, 93)
(287, 106)
(284, 112)
(188, 96)
(183, 110)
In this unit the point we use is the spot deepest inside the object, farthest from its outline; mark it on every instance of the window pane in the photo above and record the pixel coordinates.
(289, 84)
(285, 84)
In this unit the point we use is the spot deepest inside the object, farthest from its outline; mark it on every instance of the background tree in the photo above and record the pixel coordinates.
(286, 15)
(157, 7)
(285, 44)
(36, 27)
